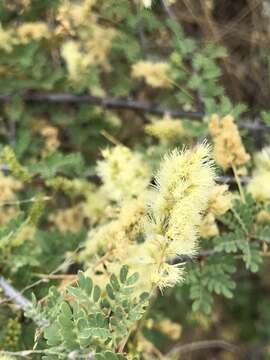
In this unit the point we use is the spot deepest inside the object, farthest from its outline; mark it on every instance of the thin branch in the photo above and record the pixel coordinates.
(228, 179)
(189, 258)
(28, 354)
(202, 345)
(125, 103)
(106, 102)
(22, 302)
(14, 295)
(168, 10)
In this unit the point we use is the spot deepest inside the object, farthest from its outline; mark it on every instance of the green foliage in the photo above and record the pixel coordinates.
(241, 236)
(91, 321)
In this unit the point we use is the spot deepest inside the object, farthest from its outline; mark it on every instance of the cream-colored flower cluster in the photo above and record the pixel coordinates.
(8, 189)
(85, 42)
(32, 31)
(93, 41)
(97, 205)
(219, 203)
(22, 34)
(228, 147)
(124, 173)
(156, 74)
(68, 220)
(117, 234)
(168, 130)
(49, 133)
(259, 185)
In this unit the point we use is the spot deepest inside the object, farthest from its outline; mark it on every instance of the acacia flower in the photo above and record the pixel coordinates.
(259, 185)
(183, 187)
(155, 74)
(123, 172)
(229, 150)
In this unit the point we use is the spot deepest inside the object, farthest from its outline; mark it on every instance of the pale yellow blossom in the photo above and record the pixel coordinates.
(6, 39)
(208, 226)
(228, 147)
(68, 220)
(155, 74)
(220, 200)
(168, 130)
(32, 31)
(124, 173)
(259, 185)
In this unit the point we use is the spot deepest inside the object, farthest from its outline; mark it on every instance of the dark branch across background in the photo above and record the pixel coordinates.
(127, 104)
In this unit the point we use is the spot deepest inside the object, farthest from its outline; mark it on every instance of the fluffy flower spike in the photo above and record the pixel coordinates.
(183, 187)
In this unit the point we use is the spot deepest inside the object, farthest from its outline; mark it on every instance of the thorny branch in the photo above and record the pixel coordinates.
(127, 104)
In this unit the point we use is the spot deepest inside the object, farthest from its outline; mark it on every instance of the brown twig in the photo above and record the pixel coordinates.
(202, 345)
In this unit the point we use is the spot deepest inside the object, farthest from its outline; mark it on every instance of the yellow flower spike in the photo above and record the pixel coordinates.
(184, 184)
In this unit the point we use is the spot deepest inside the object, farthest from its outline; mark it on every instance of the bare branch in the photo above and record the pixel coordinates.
(14, 295)
(22, 302)
(106, 102)
(202, 345)
(126, 103)
(228, 179)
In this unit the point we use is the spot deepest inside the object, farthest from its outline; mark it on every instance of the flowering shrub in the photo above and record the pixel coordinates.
(134, 195)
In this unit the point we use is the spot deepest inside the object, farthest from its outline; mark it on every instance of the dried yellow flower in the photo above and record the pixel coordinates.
(155, 74)
(228, 147)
